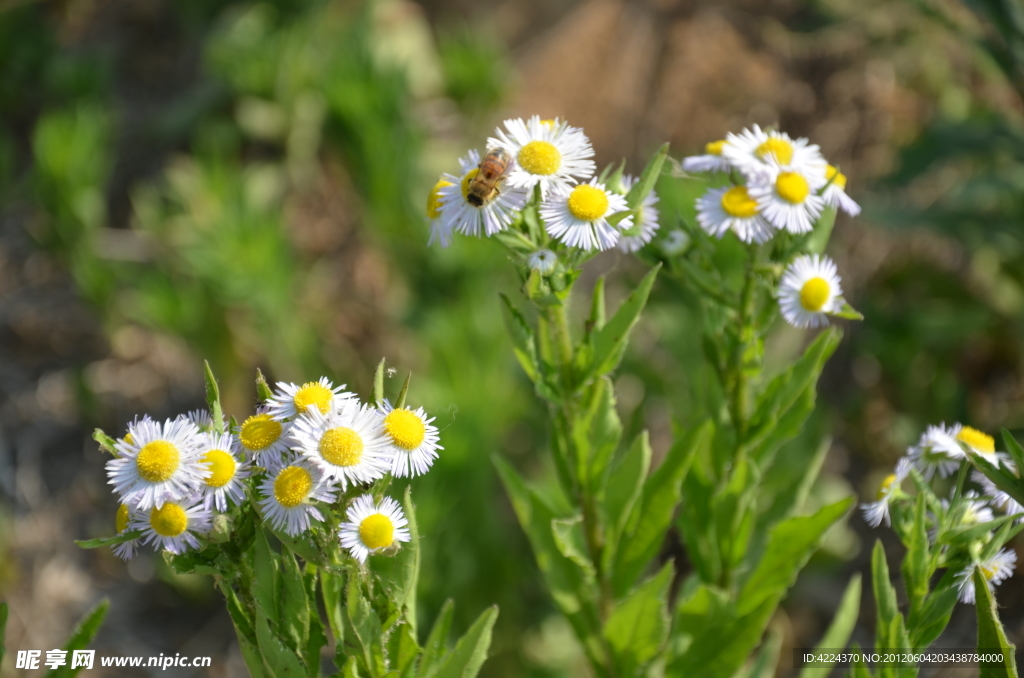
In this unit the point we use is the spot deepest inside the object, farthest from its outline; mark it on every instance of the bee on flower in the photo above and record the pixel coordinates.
(460, 209)
(548, 154)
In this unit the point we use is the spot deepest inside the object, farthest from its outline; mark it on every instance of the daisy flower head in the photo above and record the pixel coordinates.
(547, 153)
(413, 439)
(731, 208)
(122, 521)
(646, 220)
(937, 450)
(975, 510)
(995, 570)
(457, 213)
(201, 418)
(877, 512)
(713, 159)
(983, 444)
(578, 215)
(544, 261)
(1000, 500)
(787, 196)
(753, 149)
(263, 438)
(835, 192)
(157, 463)
(372, 527)
(286, 497)
(291, 400)
(173, 526)
(440, 230)
(225, 485)
(809, 290)
(347, 445)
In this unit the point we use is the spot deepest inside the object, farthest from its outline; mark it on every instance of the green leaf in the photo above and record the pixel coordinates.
(623, 492)
(367, 631)
(695, 521)
(597, 432)
(1013, 447)
(610, 340)
(839, 631)
(302, 545)
(278, 660)
(1004, 480)
(859, 668)
(648, 178)
(571, 543)
(400, 573)
(915, 564)
(767, 661)
(437, 641)
(263, 392)
(351, 669)
(378, 382)
(847, 312)
(523, 344)
(402, 647)
(885, 599)
(597, 317)
(638, 626)
(819, 237)
(108, 541)
(400, 403)
(470, 652)
(266, 581)
(991, 637)
(619, 217)
(651, 517)
(331, 587)
(294, 610)
(107, 444)
(925, 624)
(80, 638)
(213, 398)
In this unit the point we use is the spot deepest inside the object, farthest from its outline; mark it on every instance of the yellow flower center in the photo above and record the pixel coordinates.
(714, 147)
(121, 520)
(341, 446)
(434, 199)
(405, 428)
(814, 294)
(539, 157)
(128, 439)
(169, 520)
(974, 438)
(157, 461)
(292, 486)
(588, 203)
(549, 123)
(376, 531)
(313, 393)
(839, 178)
(780, 148)
(467, 180)
(259, 432)
(792, 187)
(736, 202)
(222, 467)
(886, 486)
(988, 570)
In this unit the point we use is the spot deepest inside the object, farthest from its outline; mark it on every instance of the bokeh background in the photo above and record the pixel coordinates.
(244, 182)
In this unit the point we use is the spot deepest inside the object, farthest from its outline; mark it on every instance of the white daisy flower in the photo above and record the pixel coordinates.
(286, 495)
(414, 440)
(458, 214)
(937, 450)
(788, 197)
(173, 526)
(440, 230)
(675, 242)
(731, 208)
(201, 418)
(1000, 500)
(713, 159)
(225, 486)
(291, 400)
(347, 444)
(753, 149)
(263, 438)
(159, 464)
(122, 521)
(544, 261)
(809, 290)
(835, 192)
(975, 510)
(372, 527)
(547, 153)
(646, 219)
(578, 215)
(995, 570)
(877, 512)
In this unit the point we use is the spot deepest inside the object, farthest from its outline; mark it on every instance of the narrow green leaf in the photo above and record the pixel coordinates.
(351, 669)
(648, 178)
(470, 652)
(294, 612)
(623, 492)
(610, 340)
(839, 631)
(523, 344)
(638, 626)
(403, 393)
(1014, 448)
(619, 217)
(885, 598)
(108, 541)
(302, 545)
(1004, 480)
(437, 641)
(378, 382)
(597, 432)
(934, 614)
(767, 660)
(263, 392)
(107, 444)
(266, 582)
(848, 312)
(571, 543)
(332, 586)
(278, 660)
(80, 638)
(597, 307)
(213, 398)
(915, 563)
(818, 240)
(859, 668)
(991, 637)
(402, 647)
(367, 631)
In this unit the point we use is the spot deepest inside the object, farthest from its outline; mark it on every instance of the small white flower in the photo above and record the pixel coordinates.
(440, 230)
(173, 526)
(753, 149)
(995, 570)
(713, 159)
(982, 444)
(125, 515)
(787, 196)
(347, 444)
(414, 439)
(285, 497)
(1001, 500)
(225, 485)
(731, 208)
(157, 463)
(877, 512)
(201, 418)
(835, 192)
(458, 214)
(544, 261)
(547, 153)
(646, 219)
(578, 215)
(974, 511)
(675, 242)
(809, 290)
(937, 450)
(291, 400)
(264, 438)
(373, 527)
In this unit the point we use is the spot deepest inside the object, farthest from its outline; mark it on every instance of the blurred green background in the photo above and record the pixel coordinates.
(245, 181)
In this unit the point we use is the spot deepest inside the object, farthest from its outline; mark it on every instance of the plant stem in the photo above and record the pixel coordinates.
(747, 336)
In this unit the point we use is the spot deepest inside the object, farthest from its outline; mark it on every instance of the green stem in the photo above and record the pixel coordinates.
(740, 404)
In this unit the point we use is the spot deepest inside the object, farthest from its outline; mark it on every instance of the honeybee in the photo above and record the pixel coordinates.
(484, 186)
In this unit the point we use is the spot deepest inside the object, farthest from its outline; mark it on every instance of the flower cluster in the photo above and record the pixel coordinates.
(292, 461)
(940, 454)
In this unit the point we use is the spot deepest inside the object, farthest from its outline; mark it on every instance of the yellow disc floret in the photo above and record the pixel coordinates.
(341, 446)
(814, 294)
(376, 531)
(736, 202)
(792, 187)
(714, 147)
(886, 487)
(222, 467)
(169, 520)
(836, 177)
(434, 199)
(588, 203)
(157, 461)
(989, 570)
(292, 486)
(121, 521)
(406, 428)
(313, 393)
(981, 442)
(539, 157)
(780, 148)
(259, 432)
